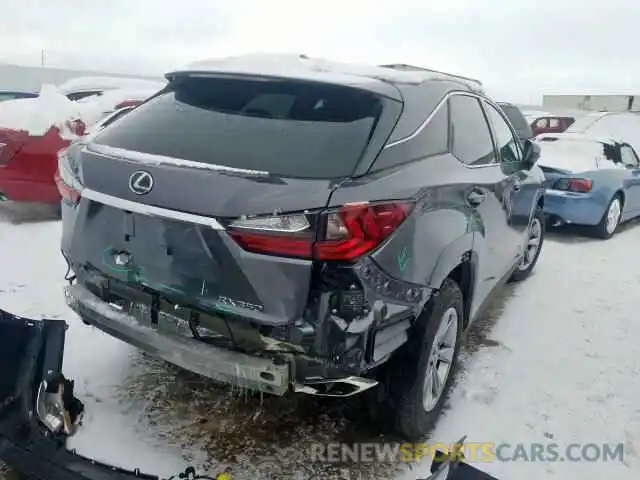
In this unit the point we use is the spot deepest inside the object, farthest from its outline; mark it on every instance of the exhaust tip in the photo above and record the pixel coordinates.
(341, 388)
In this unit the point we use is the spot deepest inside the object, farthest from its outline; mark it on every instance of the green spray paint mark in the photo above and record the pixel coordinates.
(137, 276)
(403, 259)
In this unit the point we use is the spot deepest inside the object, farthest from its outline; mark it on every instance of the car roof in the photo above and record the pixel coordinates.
(580, 137)
(376, 78)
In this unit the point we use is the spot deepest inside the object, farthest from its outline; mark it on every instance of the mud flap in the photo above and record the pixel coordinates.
(453, 467)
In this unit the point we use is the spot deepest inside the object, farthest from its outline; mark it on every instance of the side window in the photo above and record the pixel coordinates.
(470, 136)
(433, 140)
(541, 123)
(554, 123)
(628, 156)
(507, 144)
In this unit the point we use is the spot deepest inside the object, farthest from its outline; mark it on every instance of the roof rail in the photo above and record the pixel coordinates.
(405, 66)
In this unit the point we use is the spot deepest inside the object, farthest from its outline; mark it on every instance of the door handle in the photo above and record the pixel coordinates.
(476, 196)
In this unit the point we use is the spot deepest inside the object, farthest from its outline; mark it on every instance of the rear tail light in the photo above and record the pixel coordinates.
(67, 180)
(343, 234)
(578, 185)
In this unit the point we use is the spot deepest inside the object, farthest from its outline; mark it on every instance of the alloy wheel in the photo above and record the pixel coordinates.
(440, 359)
(533, 244)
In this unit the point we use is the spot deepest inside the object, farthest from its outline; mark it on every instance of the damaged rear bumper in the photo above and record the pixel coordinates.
(271, 372)
(270, 375)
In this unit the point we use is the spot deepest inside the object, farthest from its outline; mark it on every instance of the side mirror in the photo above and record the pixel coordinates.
(531, 153)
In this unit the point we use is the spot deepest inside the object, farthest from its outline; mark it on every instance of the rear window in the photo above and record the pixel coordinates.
(293, 129)
(574, 154)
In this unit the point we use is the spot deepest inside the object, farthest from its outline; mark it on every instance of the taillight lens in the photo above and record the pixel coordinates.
(67, 180)
(286, 235)
(578, 185)
(355, 230)
(343, 234)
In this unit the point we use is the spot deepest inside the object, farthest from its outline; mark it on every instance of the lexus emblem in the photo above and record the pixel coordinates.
(140, 182)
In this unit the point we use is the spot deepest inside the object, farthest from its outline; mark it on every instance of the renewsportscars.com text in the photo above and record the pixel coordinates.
(472, 452)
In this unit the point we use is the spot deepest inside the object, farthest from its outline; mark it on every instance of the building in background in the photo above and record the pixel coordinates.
(593, 103)
(31, 79)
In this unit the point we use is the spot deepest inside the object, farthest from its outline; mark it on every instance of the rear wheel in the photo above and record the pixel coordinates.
(532, 248)
(610, 219)
(419, 384)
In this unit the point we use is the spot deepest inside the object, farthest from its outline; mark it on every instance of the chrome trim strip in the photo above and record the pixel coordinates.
(426, 121)
(152, 159)
(150, 210)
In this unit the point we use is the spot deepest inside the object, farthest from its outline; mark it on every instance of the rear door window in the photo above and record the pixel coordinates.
(508, 145)
(470, 135)
(628, 156)
(293, 129)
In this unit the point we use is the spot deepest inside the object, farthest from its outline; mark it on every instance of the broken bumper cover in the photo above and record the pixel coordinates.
(269, 375)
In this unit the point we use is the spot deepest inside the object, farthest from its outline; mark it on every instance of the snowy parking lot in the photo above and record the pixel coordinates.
(556, 362)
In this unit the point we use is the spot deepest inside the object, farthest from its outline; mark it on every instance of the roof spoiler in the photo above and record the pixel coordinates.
(404, 66)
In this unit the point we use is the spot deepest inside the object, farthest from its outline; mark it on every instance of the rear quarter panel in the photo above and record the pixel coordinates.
(433, 240)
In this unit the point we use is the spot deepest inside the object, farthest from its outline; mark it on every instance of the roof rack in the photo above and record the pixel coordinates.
(405, 66)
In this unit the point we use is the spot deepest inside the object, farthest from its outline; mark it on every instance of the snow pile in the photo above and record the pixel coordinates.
(621, 126)
(53, 109)
(37, 115)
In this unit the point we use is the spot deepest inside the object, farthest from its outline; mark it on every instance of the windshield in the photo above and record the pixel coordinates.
(287, 128)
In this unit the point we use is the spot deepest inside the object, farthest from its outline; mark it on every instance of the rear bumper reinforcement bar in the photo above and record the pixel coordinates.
(269, 375)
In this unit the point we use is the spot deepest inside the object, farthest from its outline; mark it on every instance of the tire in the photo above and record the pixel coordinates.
(605, 229)
(413, 418)
(532, 251)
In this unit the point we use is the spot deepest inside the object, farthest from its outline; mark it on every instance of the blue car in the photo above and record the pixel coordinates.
(590, 181)
(13, 95)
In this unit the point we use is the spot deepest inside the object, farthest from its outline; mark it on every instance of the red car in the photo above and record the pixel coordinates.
(551, 124)
(29, 147)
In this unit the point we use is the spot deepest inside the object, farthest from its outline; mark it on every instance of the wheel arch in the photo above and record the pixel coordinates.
(464, 275)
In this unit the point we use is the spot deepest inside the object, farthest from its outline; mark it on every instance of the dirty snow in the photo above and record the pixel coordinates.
(560, 365)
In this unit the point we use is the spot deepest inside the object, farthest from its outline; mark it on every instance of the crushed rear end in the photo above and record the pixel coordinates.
(198, 228)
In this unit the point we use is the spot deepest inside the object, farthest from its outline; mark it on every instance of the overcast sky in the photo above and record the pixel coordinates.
(520, 49)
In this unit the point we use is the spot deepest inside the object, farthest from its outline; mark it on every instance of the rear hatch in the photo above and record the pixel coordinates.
(211, 192)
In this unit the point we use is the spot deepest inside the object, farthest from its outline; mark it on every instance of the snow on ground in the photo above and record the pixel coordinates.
(565, 365)
(560, 365)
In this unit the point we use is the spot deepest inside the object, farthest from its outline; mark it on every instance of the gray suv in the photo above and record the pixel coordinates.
(288, 224)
